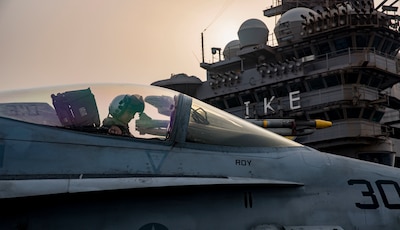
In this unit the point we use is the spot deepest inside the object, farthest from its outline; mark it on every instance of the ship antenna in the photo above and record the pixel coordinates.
(223, 8)
(202, 47)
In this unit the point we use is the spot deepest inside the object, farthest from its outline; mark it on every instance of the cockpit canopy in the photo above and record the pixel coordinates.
(168, 115)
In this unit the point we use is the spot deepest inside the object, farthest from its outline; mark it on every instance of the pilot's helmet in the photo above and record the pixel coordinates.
(121, 103)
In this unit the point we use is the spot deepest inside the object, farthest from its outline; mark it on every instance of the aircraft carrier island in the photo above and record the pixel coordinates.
(334, 61)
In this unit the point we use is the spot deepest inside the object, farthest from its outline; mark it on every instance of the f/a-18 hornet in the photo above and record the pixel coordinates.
(184, 165)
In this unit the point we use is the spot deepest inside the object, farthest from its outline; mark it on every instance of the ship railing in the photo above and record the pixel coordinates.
(356, 57)
(272, 41)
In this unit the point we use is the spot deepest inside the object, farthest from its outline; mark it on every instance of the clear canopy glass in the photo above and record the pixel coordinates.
(84, 107)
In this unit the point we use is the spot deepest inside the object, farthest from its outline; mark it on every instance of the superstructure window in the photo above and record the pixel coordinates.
(303, 52)
(351, 78)
(386, 45)
(324, 48)
(375, 81)
(367, 113)
(365, 79)
(377, 42)
(233, 101)
(342, 44)
(332, 80)
(315, 83)
(335, 114)
(362, 40)
(297, 86)
(289, 54)
(377, 116)
(280, 91)
(353, 112)
(263, 93)
(248, 97)
(317, 116)
(394, 49)
(218, 103)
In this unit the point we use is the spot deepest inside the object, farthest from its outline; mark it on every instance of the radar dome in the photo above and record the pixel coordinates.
(231, 49)
(289, 27)
(253, 32)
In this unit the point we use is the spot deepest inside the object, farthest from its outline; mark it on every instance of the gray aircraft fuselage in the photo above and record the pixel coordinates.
(62, 178)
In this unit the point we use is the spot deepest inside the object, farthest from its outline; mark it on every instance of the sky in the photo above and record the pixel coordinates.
(58, 42)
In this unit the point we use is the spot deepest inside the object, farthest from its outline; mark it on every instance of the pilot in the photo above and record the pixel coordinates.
(122, 110)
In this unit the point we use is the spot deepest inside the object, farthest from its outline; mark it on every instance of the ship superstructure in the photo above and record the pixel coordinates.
(336, 61)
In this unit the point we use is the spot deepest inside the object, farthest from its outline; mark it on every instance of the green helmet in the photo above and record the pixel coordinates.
(125, 102)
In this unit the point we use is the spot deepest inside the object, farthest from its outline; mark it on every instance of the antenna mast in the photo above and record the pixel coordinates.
(202, 48)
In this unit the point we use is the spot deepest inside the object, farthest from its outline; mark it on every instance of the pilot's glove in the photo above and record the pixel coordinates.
(115, 130)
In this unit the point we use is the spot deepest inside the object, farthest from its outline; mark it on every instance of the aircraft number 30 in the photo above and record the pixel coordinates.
(386, 190)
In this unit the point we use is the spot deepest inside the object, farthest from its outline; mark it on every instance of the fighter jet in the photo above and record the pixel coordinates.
(185, 165)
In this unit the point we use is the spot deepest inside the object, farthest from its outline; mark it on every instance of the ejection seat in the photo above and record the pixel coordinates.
(77, 109)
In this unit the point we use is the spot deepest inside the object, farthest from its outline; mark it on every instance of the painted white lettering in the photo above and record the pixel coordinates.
(246, 115)
(267, 105)
(294, 103)
(294, 97)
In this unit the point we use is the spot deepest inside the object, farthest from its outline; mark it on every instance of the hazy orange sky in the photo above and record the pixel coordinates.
(53, 42)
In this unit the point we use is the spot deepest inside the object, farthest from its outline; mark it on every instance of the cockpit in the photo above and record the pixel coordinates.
(165, 115)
